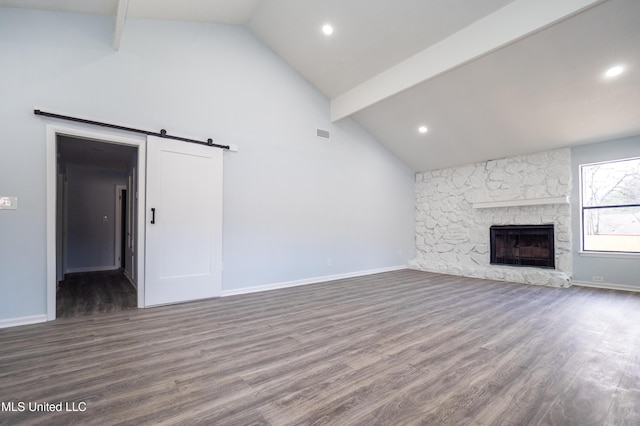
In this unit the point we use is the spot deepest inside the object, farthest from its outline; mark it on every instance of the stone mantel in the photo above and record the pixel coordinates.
(522, 202)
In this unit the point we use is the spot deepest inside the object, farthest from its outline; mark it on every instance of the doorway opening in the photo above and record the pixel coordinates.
(92, 212)
(173, 249)
(95, 253)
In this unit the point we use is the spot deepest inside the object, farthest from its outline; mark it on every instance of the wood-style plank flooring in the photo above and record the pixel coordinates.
(90, 293)
(398, 348)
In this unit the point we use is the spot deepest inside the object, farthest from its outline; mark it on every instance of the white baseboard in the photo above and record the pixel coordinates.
(306, 281)
(606, 286)
(91, 269)
(13, 322)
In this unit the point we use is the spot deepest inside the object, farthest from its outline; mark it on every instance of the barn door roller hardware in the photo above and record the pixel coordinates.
(162, 134)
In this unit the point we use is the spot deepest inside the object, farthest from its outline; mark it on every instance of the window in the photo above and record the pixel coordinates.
(611, 206)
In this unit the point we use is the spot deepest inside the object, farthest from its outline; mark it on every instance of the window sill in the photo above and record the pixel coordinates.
(620, 255)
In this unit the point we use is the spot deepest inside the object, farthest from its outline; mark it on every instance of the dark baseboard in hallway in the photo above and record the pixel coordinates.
(90, 293)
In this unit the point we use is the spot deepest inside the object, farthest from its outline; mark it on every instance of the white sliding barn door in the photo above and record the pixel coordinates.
(183, 222)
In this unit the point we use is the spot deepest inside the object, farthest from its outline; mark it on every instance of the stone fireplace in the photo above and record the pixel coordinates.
(456, 207)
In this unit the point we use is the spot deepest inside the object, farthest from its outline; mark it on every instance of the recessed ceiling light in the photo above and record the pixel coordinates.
(327, 29)
(614, 71)
(423, 129)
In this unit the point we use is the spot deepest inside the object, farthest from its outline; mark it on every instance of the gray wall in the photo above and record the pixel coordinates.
(614, 270)
(91, 196)
(291, 200)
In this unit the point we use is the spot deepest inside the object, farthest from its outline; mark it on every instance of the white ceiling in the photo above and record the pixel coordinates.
(490, 78)
(542, 92)
(369, 36)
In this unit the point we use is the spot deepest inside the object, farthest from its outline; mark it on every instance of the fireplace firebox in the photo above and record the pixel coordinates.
(522, 245)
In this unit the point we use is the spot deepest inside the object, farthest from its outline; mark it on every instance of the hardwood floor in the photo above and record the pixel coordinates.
(90, 293)
(398, 348)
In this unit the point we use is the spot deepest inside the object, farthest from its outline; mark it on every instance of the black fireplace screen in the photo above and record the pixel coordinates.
(522, 245)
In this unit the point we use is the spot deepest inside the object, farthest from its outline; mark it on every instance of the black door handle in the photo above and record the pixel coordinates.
(153, 215)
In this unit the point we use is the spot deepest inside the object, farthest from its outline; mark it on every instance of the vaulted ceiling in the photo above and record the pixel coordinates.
(489, 79)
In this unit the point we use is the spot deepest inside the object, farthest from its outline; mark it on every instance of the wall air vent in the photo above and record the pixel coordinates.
(323, 134)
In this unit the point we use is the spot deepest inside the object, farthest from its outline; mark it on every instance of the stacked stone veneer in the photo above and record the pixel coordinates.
(453, 237)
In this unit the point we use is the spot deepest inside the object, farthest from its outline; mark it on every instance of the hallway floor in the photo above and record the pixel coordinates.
(90, 293)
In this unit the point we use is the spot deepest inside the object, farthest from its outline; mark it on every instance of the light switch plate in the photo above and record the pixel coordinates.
(8, 203)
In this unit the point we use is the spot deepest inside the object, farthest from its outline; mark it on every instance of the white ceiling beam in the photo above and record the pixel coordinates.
(121, 17)
(505, 26)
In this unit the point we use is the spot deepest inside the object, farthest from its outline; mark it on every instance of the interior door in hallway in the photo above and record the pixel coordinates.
(183, 222)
